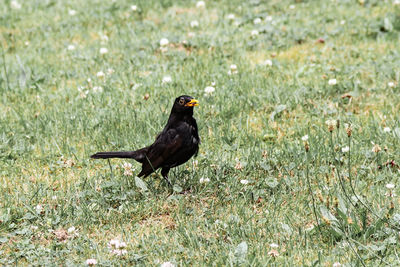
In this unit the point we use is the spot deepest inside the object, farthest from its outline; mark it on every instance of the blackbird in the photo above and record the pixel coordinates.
(176, 144)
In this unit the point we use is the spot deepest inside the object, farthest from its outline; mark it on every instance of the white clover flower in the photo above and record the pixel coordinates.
(230, 16)
(134, 7)
(114, 243)
(209, 90)
(332, 82)
(200, 4)
(119, 252)
(97, 89)
(167, 263)
(274, 245)
(204, 180)
(72, 12)
(268, 18)
(213, 83)
(191, 34)
(267, 62)
(127, 169)
(103, 50)
(167, 79)
(342, 22)
(336, 264)
(89, 80)
(71, 230)
(104, 38)
(71, 47)
(257, 21)
(244, 181)
(305, 138)
(110, 71)
(254, 33)
(54, 197)
(100, 74)
(345, 149)
(233, 69)
(164, 42)
(39, 208)
(391, 84)
(396, 2)
(194, 24)
(91, 262)
(27, 43)
(386, 129)
(390, 186)
(292, 6)
(15, 5)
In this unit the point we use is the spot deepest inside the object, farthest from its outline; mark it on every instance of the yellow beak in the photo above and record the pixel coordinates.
(192, 103)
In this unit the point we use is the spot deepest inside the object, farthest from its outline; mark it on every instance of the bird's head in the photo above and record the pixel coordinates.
(184, 104)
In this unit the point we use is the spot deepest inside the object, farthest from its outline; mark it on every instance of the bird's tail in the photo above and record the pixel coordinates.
(138, 155)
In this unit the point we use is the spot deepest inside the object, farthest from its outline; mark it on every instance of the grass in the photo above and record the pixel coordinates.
(321, 207)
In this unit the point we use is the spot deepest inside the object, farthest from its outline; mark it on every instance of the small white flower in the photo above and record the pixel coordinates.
(233, 69)
(386, 129)
(89, 80)
(336, 264)
(27, 43)
(244, 181)
(72, 12)
(191, 34)
(194, 24)
(213, 84)
(305, 138)
(268, 18)
(119, 252)
(39, 208)
(254, 33)
(127, 169)
(34, 227)
(104, 38)
(332, 82)
(257, 21)
(209, 89)
(71, 230)
(15, 5)
(342, 22)
(267, 62)
(345, 149)
(274, 245)
(110, 71)
(391, 84)
(71, 47)
(54, 197)
(167, 79)
(396, 2)
(91, 262)
(134, 7)
(200, 4)
(204, 180)
(230, 16)
(100, 74)
(97, 89)
(114, 243)
(164, 42)
(390, 186)
(103, 50)
(292, 6)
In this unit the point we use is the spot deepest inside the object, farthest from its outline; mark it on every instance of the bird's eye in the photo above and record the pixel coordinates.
(181, 101)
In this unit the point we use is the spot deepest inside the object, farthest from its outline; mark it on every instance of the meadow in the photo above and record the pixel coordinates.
(298, 119)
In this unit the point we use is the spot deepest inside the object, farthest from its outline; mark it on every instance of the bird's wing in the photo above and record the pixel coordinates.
(166, 145)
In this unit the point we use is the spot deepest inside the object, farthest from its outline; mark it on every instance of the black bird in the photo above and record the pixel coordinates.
(175, 145)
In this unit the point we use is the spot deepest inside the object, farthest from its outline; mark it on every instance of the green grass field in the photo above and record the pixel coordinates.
(77, 77)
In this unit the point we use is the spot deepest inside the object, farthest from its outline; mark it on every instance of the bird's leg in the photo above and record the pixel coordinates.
(164, 173)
